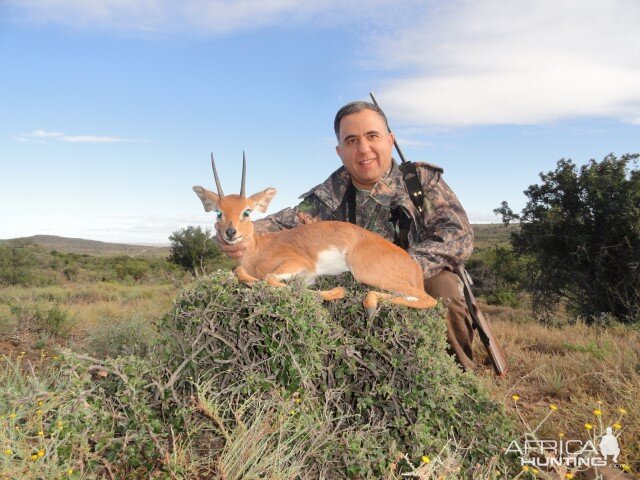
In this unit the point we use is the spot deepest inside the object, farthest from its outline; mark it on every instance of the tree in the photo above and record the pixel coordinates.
(193, 249)
(580, 235)
(507, 214)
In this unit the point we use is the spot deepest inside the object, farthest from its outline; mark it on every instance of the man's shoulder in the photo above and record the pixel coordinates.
(332, 190)
(429, 166)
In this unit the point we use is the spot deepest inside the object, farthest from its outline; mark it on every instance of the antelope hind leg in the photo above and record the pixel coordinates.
(292, 267)
(285, 271)
(416, 298)
(333, 294)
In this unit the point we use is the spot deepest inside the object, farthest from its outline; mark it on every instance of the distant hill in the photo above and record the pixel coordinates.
(489, 235)
(92, 247)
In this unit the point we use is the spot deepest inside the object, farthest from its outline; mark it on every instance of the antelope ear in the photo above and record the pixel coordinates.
(209, 199)
(261, 200)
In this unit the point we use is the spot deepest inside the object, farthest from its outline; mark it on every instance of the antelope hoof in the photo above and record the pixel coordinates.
(370, 311)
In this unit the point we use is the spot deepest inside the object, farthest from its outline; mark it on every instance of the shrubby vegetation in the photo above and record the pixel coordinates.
(580, 239)
(498, 276)
(256, 383)
(27, 264)
(385, 387)
(17, 263)
(127, 409)
(196, 250)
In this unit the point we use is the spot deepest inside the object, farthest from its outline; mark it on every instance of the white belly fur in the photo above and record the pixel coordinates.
(331, 262)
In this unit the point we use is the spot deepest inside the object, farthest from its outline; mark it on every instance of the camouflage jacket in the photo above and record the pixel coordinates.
(441, 237)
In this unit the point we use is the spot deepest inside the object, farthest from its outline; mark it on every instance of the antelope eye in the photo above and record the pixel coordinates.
(218, 213)
(246, 213)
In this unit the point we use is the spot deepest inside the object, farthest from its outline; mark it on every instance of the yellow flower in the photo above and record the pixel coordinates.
(41, 453)
(34, 457)
(525, 468)
(569, 476)
(41, 433)
(69, 471)
(588, 426)
(8, 451)
(597, 412)
(40, 403)
(561, 434)
(425, 459)
(59, 424)
(39, 412)
(292, 412)
(55, 357)
(626, 467)
(553, 407)
(622, 411)
(617, 426)
(12, 415)
(515, 399)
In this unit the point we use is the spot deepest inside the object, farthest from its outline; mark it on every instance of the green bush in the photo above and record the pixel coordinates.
(580, 238)
(498, 276)
(393, 388)
(129, 337)
(77, 418)
(52, 320)
(194, 249)
(17, 261)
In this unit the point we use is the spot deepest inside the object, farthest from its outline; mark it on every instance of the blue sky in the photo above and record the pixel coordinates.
(110, 108)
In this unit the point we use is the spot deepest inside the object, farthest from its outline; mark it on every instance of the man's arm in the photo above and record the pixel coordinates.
(310, 210)
(449, 236)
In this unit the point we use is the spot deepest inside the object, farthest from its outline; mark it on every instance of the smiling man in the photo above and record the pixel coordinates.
(369, 190)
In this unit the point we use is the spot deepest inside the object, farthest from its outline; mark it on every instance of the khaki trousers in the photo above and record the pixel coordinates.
(447, 286)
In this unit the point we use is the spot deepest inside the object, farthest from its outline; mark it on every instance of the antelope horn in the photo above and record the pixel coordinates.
(215, 174)
(244, 174)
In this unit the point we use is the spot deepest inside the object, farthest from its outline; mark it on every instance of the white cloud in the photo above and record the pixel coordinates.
(515, 62)
(45, 134)
(203, 16)
(446, 64)
(39, 136)
(93, 139)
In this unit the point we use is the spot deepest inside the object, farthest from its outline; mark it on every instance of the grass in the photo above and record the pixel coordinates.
(85, 317)
(576, 367)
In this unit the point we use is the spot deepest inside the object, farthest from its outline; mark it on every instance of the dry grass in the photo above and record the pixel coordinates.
(574, 367)
(89, 307)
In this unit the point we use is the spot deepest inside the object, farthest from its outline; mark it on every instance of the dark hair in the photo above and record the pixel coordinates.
(355, 107)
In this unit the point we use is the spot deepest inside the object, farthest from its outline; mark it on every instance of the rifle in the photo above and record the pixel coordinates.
(485, 332)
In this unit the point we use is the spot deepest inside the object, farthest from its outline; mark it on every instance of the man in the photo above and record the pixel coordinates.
(370, 191)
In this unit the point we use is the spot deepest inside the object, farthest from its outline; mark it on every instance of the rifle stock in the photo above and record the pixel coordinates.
(497, 356)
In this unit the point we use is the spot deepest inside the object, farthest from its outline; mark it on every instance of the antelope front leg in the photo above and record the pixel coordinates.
(243, 277)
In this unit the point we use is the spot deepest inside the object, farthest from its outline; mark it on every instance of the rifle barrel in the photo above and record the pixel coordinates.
(395, 143)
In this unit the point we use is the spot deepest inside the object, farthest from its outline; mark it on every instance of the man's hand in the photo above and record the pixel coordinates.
(232, 251)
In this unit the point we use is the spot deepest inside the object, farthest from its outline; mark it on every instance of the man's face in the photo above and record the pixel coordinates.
(364, 146)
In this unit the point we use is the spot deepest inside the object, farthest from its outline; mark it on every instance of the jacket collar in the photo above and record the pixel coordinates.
(389, 191)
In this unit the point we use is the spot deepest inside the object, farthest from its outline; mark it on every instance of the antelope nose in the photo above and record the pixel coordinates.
(230, 232)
